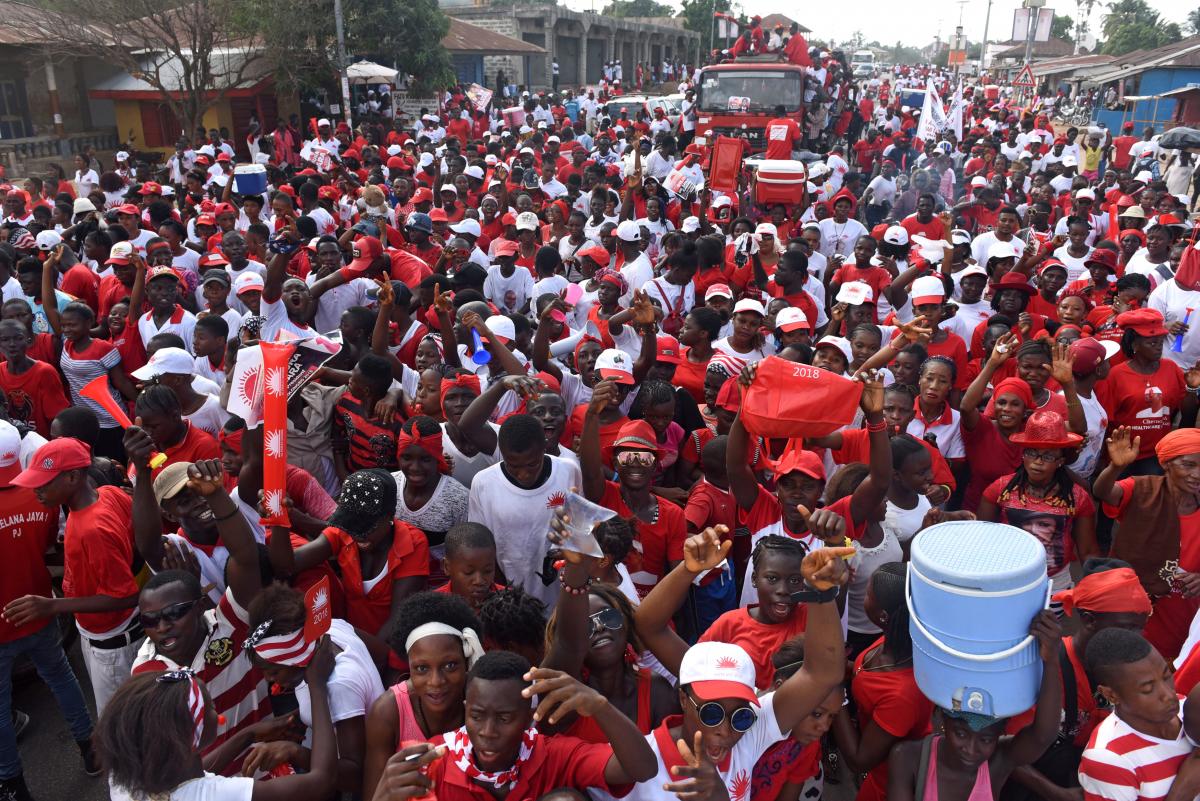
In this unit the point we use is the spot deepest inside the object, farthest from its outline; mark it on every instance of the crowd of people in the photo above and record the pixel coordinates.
(534, 320)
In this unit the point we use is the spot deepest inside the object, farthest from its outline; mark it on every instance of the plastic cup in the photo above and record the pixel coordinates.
(582, 516)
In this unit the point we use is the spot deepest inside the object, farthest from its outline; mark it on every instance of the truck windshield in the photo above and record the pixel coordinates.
(750, 90)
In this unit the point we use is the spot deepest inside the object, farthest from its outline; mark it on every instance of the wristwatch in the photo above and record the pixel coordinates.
(811, 595)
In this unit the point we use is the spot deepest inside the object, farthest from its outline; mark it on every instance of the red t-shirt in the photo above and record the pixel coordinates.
(786, 762)
(195, 446)
(109, 293)
(990, 457)
(892, 700)
(875, 277)
(932, 229)
(1121, 146)
(35, 396)
(608, 432)
(657, 544)
(783, 137)
(82, 283)
(29, 528)
(709, 505)
(689, 376)
(98, 557)
(409, 269)
(954, 349)
(856, 448)
(1048, 522)
(759, 640)
(1145, 403)
(554, 762)
(409, 556)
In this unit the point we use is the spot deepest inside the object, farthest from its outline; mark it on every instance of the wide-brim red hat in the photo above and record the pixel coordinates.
(1046, 429)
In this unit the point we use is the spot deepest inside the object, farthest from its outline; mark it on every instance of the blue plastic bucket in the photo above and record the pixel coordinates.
(973, 590)
(250, 179)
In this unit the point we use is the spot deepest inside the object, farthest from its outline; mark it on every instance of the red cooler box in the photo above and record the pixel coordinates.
(514, 117)
(780, 182)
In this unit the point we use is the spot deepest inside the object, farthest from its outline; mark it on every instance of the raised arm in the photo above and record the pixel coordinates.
(742, 482)
(1033, 740)
(207, 478)
(147, 516)
(591, 464)
(1061, 370)
(473, 424)
(277, 266)
(871, 492)
(49, 299)
(1123, 450)
(969, 408)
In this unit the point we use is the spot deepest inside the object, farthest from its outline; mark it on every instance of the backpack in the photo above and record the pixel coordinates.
(673, 319)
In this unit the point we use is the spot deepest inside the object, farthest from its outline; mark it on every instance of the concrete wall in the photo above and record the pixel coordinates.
(581, 41)
(27, 72)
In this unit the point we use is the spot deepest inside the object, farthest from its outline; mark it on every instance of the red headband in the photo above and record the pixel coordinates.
(471, 382)
(1116, 590)
(430, 443)
(1010, 386)
(233, 440)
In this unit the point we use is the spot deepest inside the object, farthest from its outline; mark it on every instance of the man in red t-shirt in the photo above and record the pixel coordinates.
(98, 582)
(783, 135)
(1119, 150)
(30, 527)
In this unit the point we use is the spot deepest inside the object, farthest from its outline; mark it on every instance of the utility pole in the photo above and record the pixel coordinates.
(341, 52)
(983, 46)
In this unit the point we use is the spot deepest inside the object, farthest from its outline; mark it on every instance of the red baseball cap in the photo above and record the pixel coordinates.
(438, 215)
(366, 251)
(422, 195)
(505, 247)
(129, 208)
(52, 460)
(150, 188)
(668, 349)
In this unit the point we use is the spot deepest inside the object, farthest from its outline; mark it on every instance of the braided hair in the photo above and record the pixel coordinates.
(887, 582)
(651, 393)
(775, 543)
(1062, 490)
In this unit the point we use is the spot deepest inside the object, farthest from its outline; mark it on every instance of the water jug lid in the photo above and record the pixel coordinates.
(974, 553)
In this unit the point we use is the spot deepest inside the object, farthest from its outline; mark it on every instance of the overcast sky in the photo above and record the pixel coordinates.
(916, 23)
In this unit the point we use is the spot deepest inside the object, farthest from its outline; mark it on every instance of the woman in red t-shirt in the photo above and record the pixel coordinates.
(891, 707)
(986, 435)
(700, 329)
(1145, 392)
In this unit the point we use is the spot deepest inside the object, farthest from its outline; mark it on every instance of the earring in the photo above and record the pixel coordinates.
(631, 656)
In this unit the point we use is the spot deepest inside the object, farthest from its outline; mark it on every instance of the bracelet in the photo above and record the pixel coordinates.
(228, 516)
(875, 427)
(569, 590)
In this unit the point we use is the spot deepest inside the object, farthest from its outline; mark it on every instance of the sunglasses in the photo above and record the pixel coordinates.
(609, 619)
(635, 458)
(712, 713)
(169, 614)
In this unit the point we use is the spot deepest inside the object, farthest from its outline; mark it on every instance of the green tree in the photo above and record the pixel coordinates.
(1193, 21)
(637, 8)
(1132, 25)
(697, 15)
(1063, 27)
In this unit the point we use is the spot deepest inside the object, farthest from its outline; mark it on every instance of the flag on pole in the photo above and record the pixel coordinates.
(954, 119)
(933, 116)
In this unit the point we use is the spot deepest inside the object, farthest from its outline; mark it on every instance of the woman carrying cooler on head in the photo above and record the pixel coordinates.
(153, 730)
(1042, 498)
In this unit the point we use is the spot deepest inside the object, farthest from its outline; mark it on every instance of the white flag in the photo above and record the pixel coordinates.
(246, 390)
(955, 117)
(929, 125)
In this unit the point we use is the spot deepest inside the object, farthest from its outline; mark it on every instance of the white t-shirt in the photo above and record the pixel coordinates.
(883, 190)
(742, 758)
(637, 273)
(520, 518)
(210, 417)
(208, 787)
(1174, 302)
(354, 683)
(839, 238)
(1093, 441)
(334, 302)
(277, 320)
(464, 468)
(1075, 266)
(669, 295)
(948, 433)
(510, 293)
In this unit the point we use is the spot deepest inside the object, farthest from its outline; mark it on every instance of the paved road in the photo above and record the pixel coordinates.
(53, 769)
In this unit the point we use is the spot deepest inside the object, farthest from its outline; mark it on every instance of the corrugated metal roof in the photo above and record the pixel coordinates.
(1057, 65)
(463, 37)
(1179, 54)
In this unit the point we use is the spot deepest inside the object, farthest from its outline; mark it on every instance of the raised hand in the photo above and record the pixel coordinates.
(1048, 632)
(603, 394)
(704, 551)
(1061, 368)
(701, 780)
(206, 477)
(1123, 447)
(1003, 349)
(561, 694)
(826, 567)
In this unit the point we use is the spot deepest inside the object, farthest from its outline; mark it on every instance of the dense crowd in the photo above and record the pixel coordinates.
(535, 537)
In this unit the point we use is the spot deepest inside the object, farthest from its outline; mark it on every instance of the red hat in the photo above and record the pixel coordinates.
(1104, 257)
(287, 190)
(308, 171)
(1127, 126)
(223, 156)
(161, 272)
(1046, 429)
(505, 247)
(596, 254)
(1051, 262)
(397, 163)
(729, 397)
(1143, 322)
(438, 215)
(206, 219)
(328, 193)
(668, 349)
(213, 259)
(224, 208)
(129, 208)
(52, 460)
(422, 195)
(203, 159)
(366, 250)
(637, 435)
(1012, 280)
(1088, 353)
(352, 154)
(797, 460)
(150, 188)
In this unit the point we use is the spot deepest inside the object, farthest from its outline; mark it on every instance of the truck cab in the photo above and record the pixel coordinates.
(738, 98)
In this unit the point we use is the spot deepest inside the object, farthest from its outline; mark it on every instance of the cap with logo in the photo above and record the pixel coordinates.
(927, 289)
(792, 319)
(749, 305)
(10, 453)
(52, 460)
(718, 291)
(172, 361)
(613, 365)
(247, 282)
(629, 231)
(668, 349)
(841, 343)
(716, 670)
(855, 293)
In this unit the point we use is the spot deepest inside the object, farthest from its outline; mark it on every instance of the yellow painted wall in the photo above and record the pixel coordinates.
(129, 118)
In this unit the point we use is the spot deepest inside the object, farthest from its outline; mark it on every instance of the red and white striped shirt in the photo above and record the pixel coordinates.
(1126, 765)
(238, 689)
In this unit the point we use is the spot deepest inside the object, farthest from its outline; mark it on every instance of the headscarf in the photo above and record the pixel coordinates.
(1010, 386)
(1141, 235)
(583, 340)
(290, 648)
(471, 382)
(233, 439)
(430, 443)
(843, 193)
(1179, 442)
(472, 648)
(1117, 590)
(613, 277)
(195, 700)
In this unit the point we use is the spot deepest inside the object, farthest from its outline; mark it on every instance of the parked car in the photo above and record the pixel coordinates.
(635, 103)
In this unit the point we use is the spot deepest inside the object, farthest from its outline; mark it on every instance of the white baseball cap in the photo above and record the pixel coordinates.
(48, 240)
(502, 327)
(426, 159)
(394, 150)
(1086, 192)
(790, 319)
(721, 202)
(629, 231)
(927, 289)
(716, 670)
(1002, 250)
(1070, 161)
(971, 269)
(960, 237)
(749, 305)
(613, 365)
(176, 361)
(895, 235)
(767, 228)
(855, 293)
(247, 282)
(690, 225)
(1144, 177)
(979, 180)
(468, 225)
(121, 155)
(10, 452)
(323, 123)
(528, 221)
(841, 343)
(474, 171)
(718, 291)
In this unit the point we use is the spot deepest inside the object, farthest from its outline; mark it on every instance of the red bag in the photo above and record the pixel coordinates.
(788, 400)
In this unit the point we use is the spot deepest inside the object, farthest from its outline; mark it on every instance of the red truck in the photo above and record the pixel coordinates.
(738, 98)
